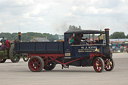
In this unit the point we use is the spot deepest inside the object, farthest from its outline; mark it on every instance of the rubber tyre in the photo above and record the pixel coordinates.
(14, 57)
(50, 66)
(111, 67)
(36, 64)
(127, 50)
(98, 64)
(25, 58)
(2, 60)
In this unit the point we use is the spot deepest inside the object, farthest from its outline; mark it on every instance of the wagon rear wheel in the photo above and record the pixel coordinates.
(49, 66)
(13, 55)
(36, 64)
(109, 64)
(98, 64)
(2, 60)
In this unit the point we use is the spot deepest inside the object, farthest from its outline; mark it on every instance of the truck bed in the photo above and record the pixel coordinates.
(39, 47)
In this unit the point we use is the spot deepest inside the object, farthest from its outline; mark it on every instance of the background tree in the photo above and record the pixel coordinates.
(29, 35)
(117, 35)
(126, 36)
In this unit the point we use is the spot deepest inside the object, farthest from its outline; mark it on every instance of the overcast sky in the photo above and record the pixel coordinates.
(55, 16)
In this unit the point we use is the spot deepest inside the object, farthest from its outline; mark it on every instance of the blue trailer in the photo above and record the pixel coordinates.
(88, 48)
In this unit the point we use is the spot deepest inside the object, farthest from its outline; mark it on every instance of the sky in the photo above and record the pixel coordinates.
(55, 16)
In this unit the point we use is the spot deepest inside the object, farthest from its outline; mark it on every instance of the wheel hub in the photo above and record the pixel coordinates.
(97, 64)
(35, 64)
(109, 63)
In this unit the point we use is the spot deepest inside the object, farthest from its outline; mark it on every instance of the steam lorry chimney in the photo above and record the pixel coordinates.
(107, 36)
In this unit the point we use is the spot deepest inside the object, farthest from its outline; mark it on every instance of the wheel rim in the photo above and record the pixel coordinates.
(50, 64)
(16, 56)
(97, 65)
(34, 64)
(2, 60)
(108, 64)
(25, 58)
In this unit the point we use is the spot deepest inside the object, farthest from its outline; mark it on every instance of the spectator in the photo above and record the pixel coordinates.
(78, 39)
(3, 40)
(3, 46)
(7, 43)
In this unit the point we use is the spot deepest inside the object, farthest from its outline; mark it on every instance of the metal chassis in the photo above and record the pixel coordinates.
(53, 57)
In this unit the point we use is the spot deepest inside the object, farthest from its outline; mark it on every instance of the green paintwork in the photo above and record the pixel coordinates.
(4, 54)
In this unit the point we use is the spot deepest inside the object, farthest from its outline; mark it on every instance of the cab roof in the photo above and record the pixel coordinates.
(84, 32)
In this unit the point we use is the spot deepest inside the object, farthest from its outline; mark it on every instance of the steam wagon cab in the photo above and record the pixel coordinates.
(89, 48)
(80, 48)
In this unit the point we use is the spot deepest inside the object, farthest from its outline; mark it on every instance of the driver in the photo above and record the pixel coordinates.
(100, 37)
(71, 39)
(78, 38)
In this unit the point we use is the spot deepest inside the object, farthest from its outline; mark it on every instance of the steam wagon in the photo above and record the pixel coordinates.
(88, 48)
(9, 53)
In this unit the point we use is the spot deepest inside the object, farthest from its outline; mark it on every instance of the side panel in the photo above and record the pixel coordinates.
(39, 47)
(85, 51)
(67, 46)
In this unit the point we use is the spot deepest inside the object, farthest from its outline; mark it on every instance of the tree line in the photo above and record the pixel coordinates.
(118, 35)
(29, 35)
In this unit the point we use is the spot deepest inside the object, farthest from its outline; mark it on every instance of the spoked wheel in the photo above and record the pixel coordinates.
(36, 64)
(98, 64)
(50, 66)
(109, 64)
(25, 58)
(2, 60)
(13, 55)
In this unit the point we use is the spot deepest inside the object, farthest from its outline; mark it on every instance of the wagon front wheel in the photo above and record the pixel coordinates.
(109, 64)
(13, 55)
(36, 64)
(98, 64)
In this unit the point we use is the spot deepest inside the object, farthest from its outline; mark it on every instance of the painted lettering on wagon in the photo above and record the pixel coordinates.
(88, 49)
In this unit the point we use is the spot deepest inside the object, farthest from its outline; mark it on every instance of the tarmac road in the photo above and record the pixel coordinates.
(19, 74)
